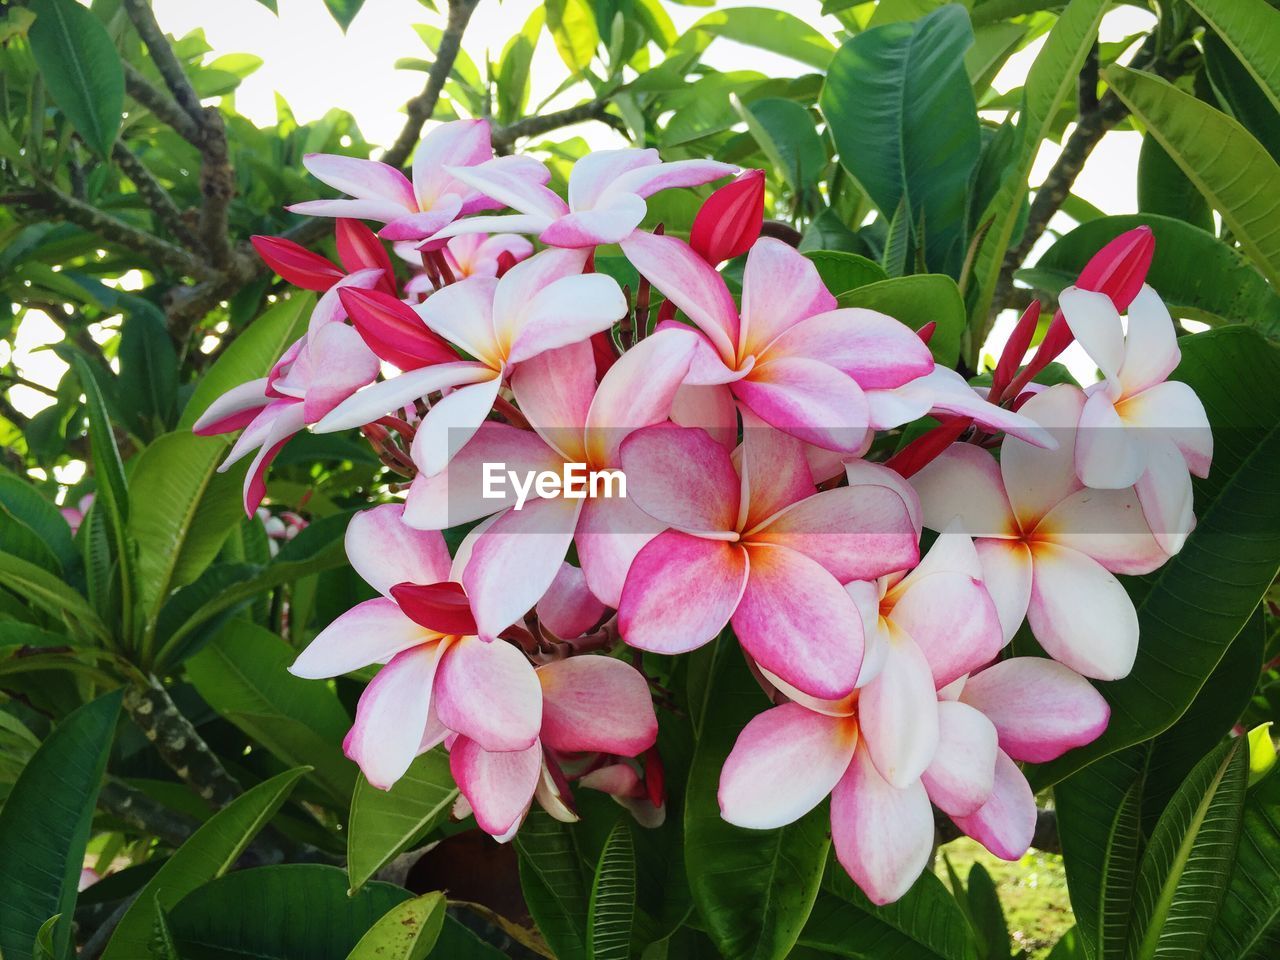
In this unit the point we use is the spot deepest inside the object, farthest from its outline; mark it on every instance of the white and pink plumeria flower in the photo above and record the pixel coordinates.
(1049, 545)
(468, 255)
(754, 544)
(436, 679)
(414, 210)
(590, 705)
(516, 557)
(1138, 429)
(538, 305)
(607, 193)
(822, 374)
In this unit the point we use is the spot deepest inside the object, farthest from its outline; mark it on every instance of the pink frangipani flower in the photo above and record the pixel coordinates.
(468, 255)
(433, 683)
(590, 704)
(538, 305)
(415, 210)
(755, 545)
(1139, 429)
(1048, 544)
(516, 557)
(607, 192)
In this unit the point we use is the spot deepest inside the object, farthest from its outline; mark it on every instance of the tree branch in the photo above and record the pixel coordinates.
(505, 137)
(160, 104)
(135, 809)
(178, 743)
(162, 55)
(154, 194)
(421, 107)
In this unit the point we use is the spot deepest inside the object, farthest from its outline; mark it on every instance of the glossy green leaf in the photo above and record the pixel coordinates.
(384, 823)
(1185, 869)
(21, 504)
(785, 132)
(1197, 275)
(81, 69)
(279, 913)
(251, 354)
(1233, 171)
(207, 854)
(148, 383)
(754, 889)
(555, 878)
(918, 300)
(42, 589)
(986, 915)
(180, 512)
(344, 11)
(1164, 190)
(1191, 609)
(1248, 926)
(243, 674)
(1249, 27)
(925, 924)
(902, 113)
(572, 26)
(842, 272)
(1051, 78)
(777, 31)
(407, 932)
(612, 907)
(1239, 92)
(44, 827)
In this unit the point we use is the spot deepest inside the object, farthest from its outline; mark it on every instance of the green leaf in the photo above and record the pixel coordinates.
(384, 823)
(572, 26)
(901, 110)
(243, 674)
(207, 854)
(408, 931)
(787, 136)
(1050, 79)
(44, 827)
(1249, 28)
(1198, 276)
(1239, 92)
(554, 877)
(925, 924)
(46, 591)
(303, 910)
(842, 272)
(1184, 872)
(458, 943)
(148, 381)
(613, 897)
(251, 354)
(986, 915)
(774, 30)
(1248, 926)
(1233, 171)
(81, 68)
(1164, 190)
(915, 301)
(897, 242)
(1191, 609)
(753, 888)
(344, 11)
(22, 505)
(180, 512)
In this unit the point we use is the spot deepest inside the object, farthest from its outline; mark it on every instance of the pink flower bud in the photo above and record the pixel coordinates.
(730, 220)
(360, 249)
(925, 448)
(392, 330)
(926, 332)
(1014, 350)
(296, 263)
(442, 607)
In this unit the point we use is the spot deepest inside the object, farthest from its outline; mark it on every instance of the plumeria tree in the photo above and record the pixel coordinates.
(638, 544)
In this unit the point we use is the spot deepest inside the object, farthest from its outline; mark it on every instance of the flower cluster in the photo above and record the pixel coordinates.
(751, 428)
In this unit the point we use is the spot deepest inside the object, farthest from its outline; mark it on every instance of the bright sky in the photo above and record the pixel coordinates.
(315, 67)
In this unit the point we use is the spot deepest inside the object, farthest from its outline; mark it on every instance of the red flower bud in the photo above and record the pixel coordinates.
(655, 777)
(926, 332)
(730, 220)
(442, 607)
(360, 249)
(392, 330)
(924, 449)
(296, 263)
(1014, 350)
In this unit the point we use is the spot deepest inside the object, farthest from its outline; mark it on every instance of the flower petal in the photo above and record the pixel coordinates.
(1038, 479)
(808, 399)
(594, 173)
(1164, 490)
(783, 764)
(363, 179)
(1006, 823)
(385, 550)
(953, 619)
(648, 180)
(486, 690)
(499, 786)
(596, 704)
(554, 391)
(421, 226)
(1150, 344)
(682, 477)
(1081, 614)
(875, 350)
(775, 472)
(566, 311)
(611, 531)
(1093, 319)
(1006, 575)
(370, 632)
(962, 775)
(680, 592)
(569, 609)
(1107, 525)
(1173, 409)
(451, 423)
(234, 410)
(611, 222)
(898, 713)
(462, 143)
(1040, 708)
(797, 621)
(389, 396)
(463, 314)
(1109, 456)
(883, 836)
(392, 715)
(780, 288)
